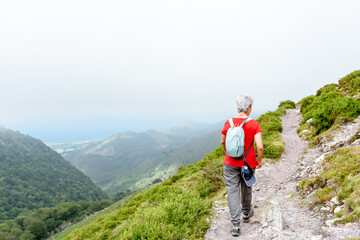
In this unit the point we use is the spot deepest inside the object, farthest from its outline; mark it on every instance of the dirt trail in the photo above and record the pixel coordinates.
(278, 181)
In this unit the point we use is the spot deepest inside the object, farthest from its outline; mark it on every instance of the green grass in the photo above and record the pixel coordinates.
(98, 215)
(350, 85)
(179, 207)
(340, 176)
(270, 122)
(332, 106)
(174, 209)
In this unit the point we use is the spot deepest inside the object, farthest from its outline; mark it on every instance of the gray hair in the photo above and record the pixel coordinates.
(243, 102)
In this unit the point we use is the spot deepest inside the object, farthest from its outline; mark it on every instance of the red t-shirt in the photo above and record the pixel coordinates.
(251, 128)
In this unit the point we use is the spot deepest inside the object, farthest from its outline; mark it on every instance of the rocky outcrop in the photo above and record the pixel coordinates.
(270, 215)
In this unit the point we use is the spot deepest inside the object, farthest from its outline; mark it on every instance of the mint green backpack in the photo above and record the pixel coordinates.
(235, 138)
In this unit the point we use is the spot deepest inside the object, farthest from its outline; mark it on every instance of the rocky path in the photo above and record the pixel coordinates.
(279, 181)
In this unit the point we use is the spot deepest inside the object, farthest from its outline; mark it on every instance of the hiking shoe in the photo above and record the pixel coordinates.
(235, 230)
(246, 217)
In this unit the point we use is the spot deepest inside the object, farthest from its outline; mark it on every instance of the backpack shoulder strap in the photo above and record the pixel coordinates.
(248, 151)
(231, 122)
(245, 121)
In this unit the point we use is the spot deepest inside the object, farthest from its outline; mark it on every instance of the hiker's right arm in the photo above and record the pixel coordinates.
(260, 149)
(223, 141)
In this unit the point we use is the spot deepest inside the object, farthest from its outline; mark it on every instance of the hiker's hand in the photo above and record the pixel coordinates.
(259, 165)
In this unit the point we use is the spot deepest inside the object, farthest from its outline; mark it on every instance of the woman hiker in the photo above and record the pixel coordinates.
(232, 167)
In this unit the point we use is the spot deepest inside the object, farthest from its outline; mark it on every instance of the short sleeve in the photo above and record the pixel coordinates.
(225, 128)
(258, 128)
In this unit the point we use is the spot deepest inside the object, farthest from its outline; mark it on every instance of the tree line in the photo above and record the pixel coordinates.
(45, 222)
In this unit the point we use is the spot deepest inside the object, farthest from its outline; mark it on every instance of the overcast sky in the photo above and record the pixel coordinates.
(76, 70)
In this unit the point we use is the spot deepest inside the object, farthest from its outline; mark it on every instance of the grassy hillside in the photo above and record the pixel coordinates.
(339, 177)
(180, 207)
(332, 105)
(339, 174)
(270, 122)
(175, 209)
(120, 154)
(34, 176)
(130, 161)
(164, 165)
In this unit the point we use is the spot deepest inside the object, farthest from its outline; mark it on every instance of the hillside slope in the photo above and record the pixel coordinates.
(165, 164)
(162, 212)
(34, 176)
(130, 161)
(120, 155)
(180, 207)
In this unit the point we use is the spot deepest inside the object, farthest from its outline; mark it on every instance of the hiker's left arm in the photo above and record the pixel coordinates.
(260, 148)
(223, 141)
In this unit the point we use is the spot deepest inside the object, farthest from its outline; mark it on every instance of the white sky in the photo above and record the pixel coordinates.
(87, 69)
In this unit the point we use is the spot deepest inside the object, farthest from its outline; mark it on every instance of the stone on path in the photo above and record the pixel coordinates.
(270, 214)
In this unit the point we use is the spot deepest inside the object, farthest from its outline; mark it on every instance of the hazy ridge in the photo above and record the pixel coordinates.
(130, 160)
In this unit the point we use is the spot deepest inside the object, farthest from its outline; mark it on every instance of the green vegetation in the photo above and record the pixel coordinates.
(174, 209)
(350, 85)
(339, 177)
(288, 104)
(33, 176)
(131, 161)
(98, 215)
(45, 221)
(333, 104)
(270, 122)
(177, 208)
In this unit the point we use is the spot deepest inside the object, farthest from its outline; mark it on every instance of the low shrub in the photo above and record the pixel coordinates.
(270, 122)
(350, 85)
(339, 177)
(331, 106)
(288, 104)
(326, 89)
(305, 104)
(174, 209)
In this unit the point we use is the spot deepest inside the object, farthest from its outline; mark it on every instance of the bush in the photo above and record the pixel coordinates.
(350, 84)
(328, 108)
(326, 89)
(305, 103)
(288, 104)
(270, 123)
(272, 151)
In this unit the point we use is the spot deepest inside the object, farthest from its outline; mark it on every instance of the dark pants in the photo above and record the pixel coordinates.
(234, 182)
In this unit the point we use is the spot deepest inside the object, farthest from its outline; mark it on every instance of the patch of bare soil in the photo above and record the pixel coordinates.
(279, 181)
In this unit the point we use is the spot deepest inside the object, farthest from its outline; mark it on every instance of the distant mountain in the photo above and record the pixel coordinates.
(165, 164)
(121, 153)
(132, 160)
(190, 129)
(33, 176)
